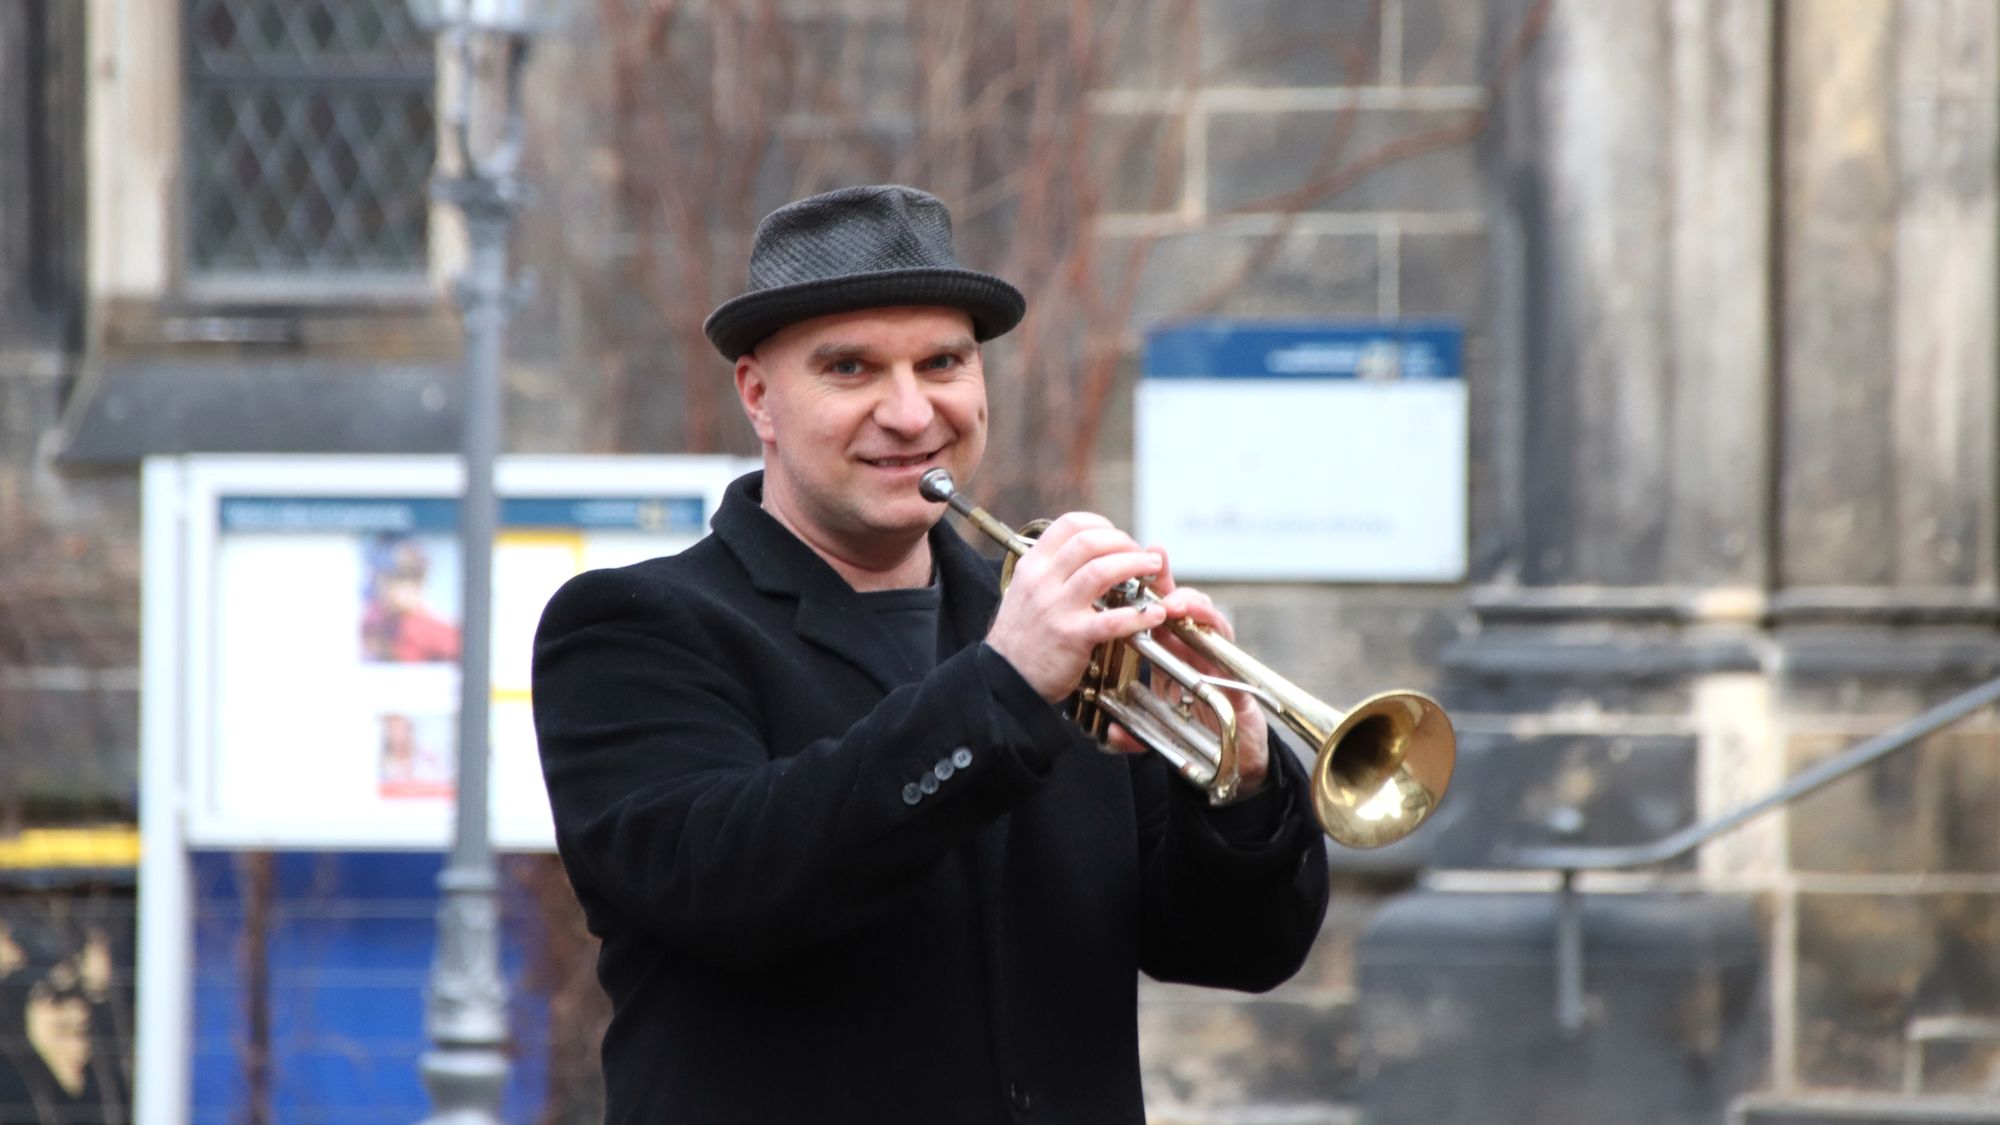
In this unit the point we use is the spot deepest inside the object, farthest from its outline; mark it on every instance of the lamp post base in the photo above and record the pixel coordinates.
(465, 1085)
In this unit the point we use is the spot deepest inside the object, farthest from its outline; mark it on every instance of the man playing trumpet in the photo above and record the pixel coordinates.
(811, 778)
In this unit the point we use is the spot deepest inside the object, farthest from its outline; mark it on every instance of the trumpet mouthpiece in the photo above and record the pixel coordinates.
(937, 486)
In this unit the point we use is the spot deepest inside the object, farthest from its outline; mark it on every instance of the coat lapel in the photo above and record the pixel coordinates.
(830, 615)
(972, 590)
(841, 626)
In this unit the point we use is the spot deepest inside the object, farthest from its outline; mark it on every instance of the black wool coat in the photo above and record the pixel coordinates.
(833, 889)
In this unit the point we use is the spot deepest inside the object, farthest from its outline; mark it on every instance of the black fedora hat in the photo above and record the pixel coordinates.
(857, 248)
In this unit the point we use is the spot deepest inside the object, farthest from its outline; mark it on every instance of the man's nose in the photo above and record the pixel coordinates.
(905, 408)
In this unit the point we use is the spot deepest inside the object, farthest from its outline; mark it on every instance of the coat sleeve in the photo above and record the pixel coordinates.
(672, 815)
(1232, 897)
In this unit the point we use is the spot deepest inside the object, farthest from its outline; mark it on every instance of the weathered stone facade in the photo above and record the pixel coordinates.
(1728, 271)
(1747, 257)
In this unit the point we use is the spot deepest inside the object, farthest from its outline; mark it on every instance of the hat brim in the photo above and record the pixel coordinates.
(738, 325)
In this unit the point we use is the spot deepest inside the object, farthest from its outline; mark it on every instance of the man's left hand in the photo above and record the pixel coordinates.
(1252, 733)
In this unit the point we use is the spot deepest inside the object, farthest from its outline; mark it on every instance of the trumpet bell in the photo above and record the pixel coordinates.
(1383, 770)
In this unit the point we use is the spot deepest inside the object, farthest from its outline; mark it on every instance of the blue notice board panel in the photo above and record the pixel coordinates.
(1304, 452)
(1223, 349)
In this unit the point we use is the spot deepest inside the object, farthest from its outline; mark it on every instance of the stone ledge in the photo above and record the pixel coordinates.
(1699, 605)
(1660, 605)
(1622, 659)
(1863, 1109)
(1309, 1114)
(1952, 1054)
(1874, 606)
(1648, 672)
(132, 408)
(1211, 1060)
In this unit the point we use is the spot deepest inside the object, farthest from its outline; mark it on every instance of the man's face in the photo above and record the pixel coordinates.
(853, 409)
(403, 593)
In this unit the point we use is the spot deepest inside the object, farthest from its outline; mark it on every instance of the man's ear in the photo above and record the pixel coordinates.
(751, 388)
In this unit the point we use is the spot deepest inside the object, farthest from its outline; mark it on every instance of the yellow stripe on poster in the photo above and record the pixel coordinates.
(102, 846)
(529, 566)
(570, 540)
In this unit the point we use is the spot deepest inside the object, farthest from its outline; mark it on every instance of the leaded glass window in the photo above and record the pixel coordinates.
(309, 134)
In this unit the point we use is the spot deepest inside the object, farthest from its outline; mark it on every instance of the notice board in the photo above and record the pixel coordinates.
(321, 608)
(1304, 451)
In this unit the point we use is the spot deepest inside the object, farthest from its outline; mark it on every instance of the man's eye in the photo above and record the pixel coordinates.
(845, 367)
(943, 362)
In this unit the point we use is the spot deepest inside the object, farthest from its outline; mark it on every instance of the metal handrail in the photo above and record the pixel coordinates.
(1569, 860)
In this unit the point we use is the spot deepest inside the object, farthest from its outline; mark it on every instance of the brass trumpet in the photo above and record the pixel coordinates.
(1380, 768)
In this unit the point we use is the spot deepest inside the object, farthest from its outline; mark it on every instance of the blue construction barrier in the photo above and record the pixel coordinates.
(347, 953)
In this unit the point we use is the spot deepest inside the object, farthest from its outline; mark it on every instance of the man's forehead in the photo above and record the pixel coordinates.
(929, 326)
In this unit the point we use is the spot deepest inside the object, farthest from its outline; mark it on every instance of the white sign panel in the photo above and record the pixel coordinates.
(1304, 479)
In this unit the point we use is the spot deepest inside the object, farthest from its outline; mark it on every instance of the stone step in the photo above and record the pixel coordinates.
(1205, 1054)
(1865, 1109)
(1318, 1113)
(1954, 1027)
(1952, 1054)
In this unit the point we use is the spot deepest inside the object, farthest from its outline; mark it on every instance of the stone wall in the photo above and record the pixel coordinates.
(68, 547)
(1747, 260)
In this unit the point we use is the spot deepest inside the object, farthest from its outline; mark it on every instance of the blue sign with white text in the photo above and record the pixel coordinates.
(682, 515)
(1373, 352)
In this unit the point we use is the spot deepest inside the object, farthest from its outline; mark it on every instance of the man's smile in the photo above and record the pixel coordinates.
(903, 462)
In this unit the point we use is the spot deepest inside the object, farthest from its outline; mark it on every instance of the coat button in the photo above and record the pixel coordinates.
(944, 769)
(961, 757)
(912, 794)
(1021, 1099)
(928, 783)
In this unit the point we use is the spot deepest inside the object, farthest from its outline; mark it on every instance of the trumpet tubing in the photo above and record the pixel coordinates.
(1379, 770)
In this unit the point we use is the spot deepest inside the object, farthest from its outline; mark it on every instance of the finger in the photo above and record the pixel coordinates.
(1060, 561)
(1092, 543)
(1116, 737)
(1164, 583)
(1065, 527)
(1189, 602)
(1220, 624)
(1199, 608)
(1045, 556)
(1112, 624)
(1170, 638)
(1100, 574)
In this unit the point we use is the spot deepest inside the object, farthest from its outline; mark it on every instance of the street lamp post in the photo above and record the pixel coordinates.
(466, 1005)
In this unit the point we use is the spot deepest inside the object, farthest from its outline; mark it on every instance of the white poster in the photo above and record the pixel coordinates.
(324, 622)
(1340, 480)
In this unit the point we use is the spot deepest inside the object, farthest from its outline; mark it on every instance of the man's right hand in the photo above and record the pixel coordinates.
(1049, 621)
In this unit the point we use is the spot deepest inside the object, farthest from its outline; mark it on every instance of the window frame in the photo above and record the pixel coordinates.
(303, 284)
